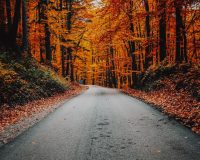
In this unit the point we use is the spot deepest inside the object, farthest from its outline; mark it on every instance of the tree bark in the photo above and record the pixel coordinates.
(70, 64)
(2, 21)
(132, 46)
(8, 11)
(162, 29)
(148, 30)
(48, 44)
(43, 8)
(63, 60)
(69, 25)
(24, 24)
(113, 68)
(69, 14)
(185, 45)
(15, 25)
(180, 35)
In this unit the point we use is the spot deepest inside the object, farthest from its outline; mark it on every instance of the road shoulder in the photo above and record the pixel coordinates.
(179, 106)
(15, 121)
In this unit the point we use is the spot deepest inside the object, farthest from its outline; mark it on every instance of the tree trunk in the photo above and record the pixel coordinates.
(69, 14)
(67, 66)
(61, 5)
(69, 25)
(194, 45)
(185, 45)
(41, 51)
(132, 46)
(113, 67)
(71, 64)
(8, 10)
(63, 60)
(15, 25)
(148, 59)
(48, 44)
(24, 24)
(2, 21)
(178, 34)
(44, 17)
(162, 29)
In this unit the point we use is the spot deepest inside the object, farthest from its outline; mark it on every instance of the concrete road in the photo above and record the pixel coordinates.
(103, 124)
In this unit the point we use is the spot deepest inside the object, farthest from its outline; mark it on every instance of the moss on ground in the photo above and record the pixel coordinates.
(181, 76)
(24, 80)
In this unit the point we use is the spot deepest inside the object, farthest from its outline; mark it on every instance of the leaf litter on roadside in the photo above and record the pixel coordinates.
(12, 115)
(176, 103)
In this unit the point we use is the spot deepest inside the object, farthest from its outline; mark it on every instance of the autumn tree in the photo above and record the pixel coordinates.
(110, 43)
(148, 34)
(162, 28)
(24, 25)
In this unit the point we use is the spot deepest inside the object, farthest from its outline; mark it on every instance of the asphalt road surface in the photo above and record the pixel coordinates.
(104, 124)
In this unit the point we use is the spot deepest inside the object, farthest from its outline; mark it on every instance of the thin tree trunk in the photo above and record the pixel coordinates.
(162, 29)
(185, 45)
(63, 60)
(194, 45)
(41, 57)
(113, 68)
(69, 25)
(9, 18)
(178, 34)
(148, 31)
(132, 46)
(48, 44)
(47, 32)
(15, 25)
(61, 5)
(71, 64)
(67, 66)
(24, 24)
(185, 39)
(2, 21)
(69, 15)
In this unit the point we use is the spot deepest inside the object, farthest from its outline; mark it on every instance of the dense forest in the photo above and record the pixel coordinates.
(148, 49)
(108, 42)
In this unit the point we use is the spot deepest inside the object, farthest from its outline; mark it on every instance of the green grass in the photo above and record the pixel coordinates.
(25, 80)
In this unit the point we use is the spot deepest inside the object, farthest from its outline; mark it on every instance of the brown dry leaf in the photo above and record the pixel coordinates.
(178, 104)
(10, 116)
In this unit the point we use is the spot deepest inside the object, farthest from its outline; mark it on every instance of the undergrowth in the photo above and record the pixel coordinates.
(182, 76)
(24, 80)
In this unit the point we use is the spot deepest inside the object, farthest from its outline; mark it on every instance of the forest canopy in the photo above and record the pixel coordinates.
(108, 42)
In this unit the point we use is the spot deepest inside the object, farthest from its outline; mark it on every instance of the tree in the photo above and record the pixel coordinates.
(24, 24)
(2, 21)
(162, 28)
(15, 25)
(69, 50)
(108, 44)
(43, 18)
(180, 34)
(9, 18)
(132, 44)
(148, 31)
